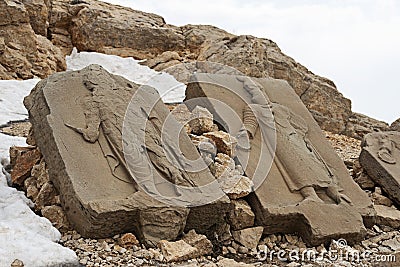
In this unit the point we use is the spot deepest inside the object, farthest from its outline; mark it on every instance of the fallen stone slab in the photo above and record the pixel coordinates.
(300, 184)
(78, 118)
(380, 158)
(389, 216)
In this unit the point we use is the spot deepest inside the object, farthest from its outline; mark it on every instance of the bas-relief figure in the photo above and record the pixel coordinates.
(298, 161)
(104, 116)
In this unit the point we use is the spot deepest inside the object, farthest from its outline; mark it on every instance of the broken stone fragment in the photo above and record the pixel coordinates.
(248, 237)
(235, 186)
(389, 216)
(55, 214)
(378, 199)
(17, 263)
(203, 245)
(39, 171)
(182, 115)
(128, 240)
(240, 216)
(201, 121)
(223, 233)
(224, 165)
(47, 196)
(224, 141)
(225, 262)
(31, 187)
(364, 181)
(23, 159)
(177, 251)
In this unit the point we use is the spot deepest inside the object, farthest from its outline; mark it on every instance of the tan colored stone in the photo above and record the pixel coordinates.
(248, 237)
(183, 115)
(389, 216)
(364, 181)
(378, 199)
(201, 121)
(25, 54)
(200, 242)
(17, 263)
(56, 216)
(225, 262)
(177, 251)
(380, 159)
(235, 186)
(225, 142)
(39, 171)
(240, 216)
(23, 165)
(395, 126)
(100, 198)
(128, 240)
(47, 196)
(275, 198)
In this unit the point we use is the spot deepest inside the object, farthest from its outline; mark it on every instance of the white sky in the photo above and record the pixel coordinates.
(355, 43)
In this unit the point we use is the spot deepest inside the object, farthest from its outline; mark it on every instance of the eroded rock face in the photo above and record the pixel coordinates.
(96, 26)
(24, 54)
(77, 124)
(359, 125)
(395, 126)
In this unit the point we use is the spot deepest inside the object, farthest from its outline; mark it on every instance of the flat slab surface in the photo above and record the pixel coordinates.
(380, 157)
(277, 201)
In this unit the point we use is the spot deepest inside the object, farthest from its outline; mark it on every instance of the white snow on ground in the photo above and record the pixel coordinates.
(12, 94)
(170, 89)
(26, 236)
(23, 234)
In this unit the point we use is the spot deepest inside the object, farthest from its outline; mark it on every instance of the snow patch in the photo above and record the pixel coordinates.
(169, 88)
(12, 95)
(26, 236)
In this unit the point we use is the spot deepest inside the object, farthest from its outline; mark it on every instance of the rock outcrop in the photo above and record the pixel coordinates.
(97, 26)
(23, 53)
(395, 126)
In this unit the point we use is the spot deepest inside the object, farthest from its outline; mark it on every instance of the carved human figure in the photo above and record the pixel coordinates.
(299, 162)
(105, 110)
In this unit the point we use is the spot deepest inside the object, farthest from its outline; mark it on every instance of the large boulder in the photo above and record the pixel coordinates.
(300, 183)
(78, 119)
(24, 54)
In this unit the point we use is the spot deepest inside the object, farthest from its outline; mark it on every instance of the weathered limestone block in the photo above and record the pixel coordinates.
(300, 183)
(240, 216)
(248, 237)
(380, 158)
(77, 119)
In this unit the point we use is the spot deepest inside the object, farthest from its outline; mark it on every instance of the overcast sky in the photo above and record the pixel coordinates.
(355, 43)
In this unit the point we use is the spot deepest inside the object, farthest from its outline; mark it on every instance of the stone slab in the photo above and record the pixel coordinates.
(278, 177)
(81, 142)
(380, 158)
